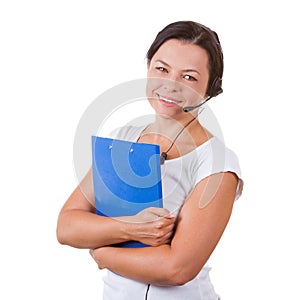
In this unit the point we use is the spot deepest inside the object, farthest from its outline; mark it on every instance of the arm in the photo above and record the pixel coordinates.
(197, 234)
(79, 226)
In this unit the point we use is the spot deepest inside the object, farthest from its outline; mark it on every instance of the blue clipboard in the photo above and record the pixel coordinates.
(126, 178)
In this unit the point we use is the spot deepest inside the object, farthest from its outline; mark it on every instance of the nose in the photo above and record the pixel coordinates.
(172, 85)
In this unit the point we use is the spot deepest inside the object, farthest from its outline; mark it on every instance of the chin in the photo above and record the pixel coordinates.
(165, 111)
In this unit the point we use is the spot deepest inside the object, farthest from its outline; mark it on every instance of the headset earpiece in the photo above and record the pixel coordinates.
(215, 88)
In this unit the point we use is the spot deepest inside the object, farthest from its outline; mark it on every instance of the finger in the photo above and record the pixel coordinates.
(165, 224)
(169, 216)
(168, 222)
(166, 239)
(158, 211)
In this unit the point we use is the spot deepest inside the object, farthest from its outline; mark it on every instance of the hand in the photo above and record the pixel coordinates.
(151, 214)
(95, 254)
(153, 226)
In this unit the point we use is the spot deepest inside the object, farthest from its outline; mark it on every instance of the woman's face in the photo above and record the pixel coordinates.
(177, 77)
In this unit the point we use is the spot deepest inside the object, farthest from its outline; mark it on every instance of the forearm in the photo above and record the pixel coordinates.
(197, 234)
(84, 229)
(154, 265)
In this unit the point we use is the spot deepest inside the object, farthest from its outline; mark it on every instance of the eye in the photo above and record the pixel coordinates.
(189, 77)
(161, 69)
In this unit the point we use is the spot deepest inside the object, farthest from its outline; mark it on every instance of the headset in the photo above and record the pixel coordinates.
(214, 90)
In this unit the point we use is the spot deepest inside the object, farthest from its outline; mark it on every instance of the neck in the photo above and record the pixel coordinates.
(175, 137)
(170, 126)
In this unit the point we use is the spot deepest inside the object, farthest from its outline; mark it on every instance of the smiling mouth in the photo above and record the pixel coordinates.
(168, 100)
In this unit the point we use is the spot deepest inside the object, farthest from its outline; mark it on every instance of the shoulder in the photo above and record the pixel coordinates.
(215, 157)
(216, 154)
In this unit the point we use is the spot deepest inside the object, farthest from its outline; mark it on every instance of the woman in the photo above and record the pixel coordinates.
(201, 180)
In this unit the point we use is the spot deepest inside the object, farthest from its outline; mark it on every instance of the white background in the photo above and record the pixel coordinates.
(58, 56)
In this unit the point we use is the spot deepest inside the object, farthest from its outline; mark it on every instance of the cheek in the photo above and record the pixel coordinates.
(152, 85)
(192, 96)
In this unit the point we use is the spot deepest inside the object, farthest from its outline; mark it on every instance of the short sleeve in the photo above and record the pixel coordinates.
(215, 158)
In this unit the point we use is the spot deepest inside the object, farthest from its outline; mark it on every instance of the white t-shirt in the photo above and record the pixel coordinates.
(179, 177)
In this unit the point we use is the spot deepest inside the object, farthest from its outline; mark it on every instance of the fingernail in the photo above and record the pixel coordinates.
(170, 216)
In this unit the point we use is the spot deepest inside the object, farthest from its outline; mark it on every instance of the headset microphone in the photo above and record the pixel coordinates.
(214, 90)
(189, 108)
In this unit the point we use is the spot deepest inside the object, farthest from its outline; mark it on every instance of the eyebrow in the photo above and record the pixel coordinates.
(186, 70)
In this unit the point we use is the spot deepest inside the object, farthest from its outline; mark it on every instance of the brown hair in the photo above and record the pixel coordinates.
(200, 35)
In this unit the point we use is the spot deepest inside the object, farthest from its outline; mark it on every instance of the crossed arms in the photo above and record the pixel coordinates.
(175, 257)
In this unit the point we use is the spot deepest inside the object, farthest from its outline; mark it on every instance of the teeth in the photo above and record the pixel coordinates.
(167, 100)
